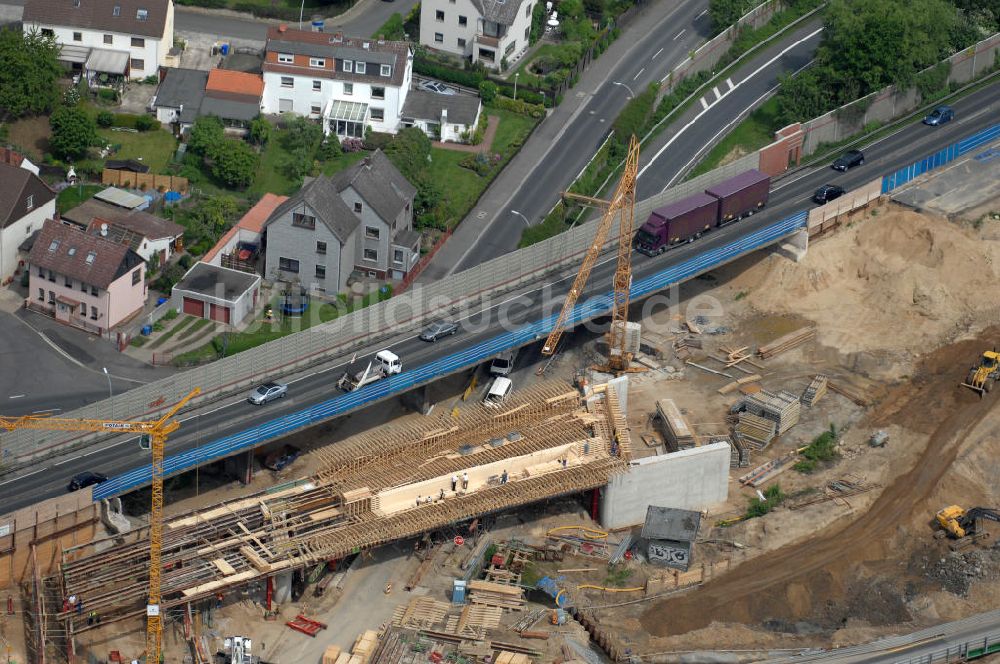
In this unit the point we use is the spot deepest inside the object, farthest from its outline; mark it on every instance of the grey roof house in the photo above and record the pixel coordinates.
(444, 117)
(483, 31)
(185, 94)
(357, 223)
(25, 203)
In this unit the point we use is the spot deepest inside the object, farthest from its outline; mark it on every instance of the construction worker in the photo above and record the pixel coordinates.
(218, 600)
(465, 481)
(429, 500)
(79, 607)
(454, 482)
(441, 497)
(418, 500)
(503, 478)
(91, 617)
(564, 463)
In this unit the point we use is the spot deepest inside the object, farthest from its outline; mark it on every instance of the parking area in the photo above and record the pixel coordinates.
(198, 51)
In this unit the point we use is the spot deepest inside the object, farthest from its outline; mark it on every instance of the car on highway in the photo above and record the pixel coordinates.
(827, 193)
(85, 479)
(939, 116)
(848, 160)
(435, 331)
(438, 87)
(267, 392)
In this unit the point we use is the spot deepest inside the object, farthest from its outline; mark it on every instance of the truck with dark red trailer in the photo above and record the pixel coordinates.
(687, 219)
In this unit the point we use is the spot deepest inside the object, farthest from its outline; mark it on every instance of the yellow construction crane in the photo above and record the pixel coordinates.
(622, 204)
(157, 430)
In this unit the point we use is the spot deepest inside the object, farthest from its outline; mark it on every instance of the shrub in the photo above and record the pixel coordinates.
(171, 314)
(329, 149)
(351, 144)
(519, 106)
(125, 120)
(107, 95)
(185, 261)
(376, 140)
(773, 496)
(105, 119)
(146, 122)
(487, 91)
(636, 114)
(260, 130)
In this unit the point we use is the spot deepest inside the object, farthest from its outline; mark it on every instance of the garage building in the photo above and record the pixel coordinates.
(217, 293)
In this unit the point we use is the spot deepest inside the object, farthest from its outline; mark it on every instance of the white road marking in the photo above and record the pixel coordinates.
(678, 36)
(729, 82)
(639, 74)
(718, 95)
(703, 12)
(15, 396)
(656, 54)
(704, 104)
(21, 477)
(764, 66)
(46, 410)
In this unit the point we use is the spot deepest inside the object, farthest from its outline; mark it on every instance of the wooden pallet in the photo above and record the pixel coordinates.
(755, 431)
(815, 391)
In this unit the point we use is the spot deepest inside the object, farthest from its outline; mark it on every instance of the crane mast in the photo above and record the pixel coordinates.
(158, 430)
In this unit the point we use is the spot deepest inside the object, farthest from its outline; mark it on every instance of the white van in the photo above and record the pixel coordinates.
(503, 363)
(498, 392)
(388, 362)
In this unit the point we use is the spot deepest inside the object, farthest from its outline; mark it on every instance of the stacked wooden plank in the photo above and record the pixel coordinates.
(755, 431)
(682, 347)
(786, 342)
(739, 382)
(678, 434)
(420, 613)
(506, 657)
(331, 654)
(475, 620)
(739, 453)
(815, 391)
(500, 595)
(365, 645)
(784, 408)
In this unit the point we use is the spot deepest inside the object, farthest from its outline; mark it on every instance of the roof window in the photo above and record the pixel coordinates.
(117, 11)
(91, 255)
(53, 246)
(71, 251)
(141, 14)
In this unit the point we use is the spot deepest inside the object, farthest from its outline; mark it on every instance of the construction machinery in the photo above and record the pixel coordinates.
(964, 526)
(157, 430)
(982, 376)
(622, 206)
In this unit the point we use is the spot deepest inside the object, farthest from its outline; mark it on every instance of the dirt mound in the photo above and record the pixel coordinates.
(900, 281)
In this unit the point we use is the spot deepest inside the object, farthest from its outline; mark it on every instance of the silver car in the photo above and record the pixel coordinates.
(438, 87)
(437, 330)
(267, 392)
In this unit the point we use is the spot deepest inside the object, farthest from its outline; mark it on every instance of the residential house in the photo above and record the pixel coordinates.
(217, 293)
(121, 39)
(185, 94)
(486, 31)
(442, 117)
(358, 223)
(84, 280)
(347, 83)
(25, 202)
(240, 246)
(144, 233)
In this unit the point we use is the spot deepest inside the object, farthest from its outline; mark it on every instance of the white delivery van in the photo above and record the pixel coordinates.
(499, 391)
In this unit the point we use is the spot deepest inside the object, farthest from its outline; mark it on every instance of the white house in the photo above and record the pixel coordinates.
(442, 117)
(487, 31)
(123, 39)
(25, 203)
(346, 82)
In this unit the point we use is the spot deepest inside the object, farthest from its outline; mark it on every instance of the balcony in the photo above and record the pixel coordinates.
(486, 40)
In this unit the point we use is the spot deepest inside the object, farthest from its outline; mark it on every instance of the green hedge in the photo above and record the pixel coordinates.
(519, 106)
(471, 78)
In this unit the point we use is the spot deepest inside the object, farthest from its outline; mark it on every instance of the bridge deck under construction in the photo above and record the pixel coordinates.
(543, 442)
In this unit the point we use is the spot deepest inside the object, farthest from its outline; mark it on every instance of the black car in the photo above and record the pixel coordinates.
(85, 479)
(827, 193)
(848, 160)
(437, 330)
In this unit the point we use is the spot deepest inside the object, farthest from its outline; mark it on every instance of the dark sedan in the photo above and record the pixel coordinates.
(437, 330)
(827, 193)
(848, 160)
(85, 479)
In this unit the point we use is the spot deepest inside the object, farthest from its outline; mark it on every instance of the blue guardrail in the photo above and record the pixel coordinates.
(939, 158)
(426, 373)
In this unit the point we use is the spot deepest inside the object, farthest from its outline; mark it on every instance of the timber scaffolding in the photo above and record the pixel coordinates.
(545, 442)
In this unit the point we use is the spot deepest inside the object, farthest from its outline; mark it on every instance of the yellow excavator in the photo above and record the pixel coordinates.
(963, 526)
(982, 376)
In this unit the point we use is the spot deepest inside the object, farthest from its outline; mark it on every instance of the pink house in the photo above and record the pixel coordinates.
(84, 280)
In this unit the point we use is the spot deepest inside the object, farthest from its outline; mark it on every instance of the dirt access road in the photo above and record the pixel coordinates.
(800, 581)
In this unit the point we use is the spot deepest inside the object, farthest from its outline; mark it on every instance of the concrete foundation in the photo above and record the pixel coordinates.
(418, 400)
(796, 247)
(694, 479)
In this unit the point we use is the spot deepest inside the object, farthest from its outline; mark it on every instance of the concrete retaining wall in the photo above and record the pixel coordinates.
(694, 479)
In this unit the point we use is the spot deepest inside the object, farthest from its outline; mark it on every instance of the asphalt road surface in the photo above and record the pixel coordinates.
(665, 45)
(111, 457)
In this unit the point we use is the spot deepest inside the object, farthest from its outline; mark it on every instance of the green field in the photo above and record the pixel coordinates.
(154, 148)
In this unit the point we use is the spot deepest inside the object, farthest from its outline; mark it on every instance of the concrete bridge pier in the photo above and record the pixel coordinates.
(418, 400)
(795, 247)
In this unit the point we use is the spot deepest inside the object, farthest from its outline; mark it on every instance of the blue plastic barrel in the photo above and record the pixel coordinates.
(318, 25)
(224, 49)
(146, 330)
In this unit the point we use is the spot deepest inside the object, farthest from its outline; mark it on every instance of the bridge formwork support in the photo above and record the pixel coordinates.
(418, 400)
(795, 247)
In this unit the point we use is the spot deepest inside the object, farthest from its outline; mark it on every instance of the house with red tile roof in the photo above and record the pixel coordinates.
(84, 280)
(238, 248)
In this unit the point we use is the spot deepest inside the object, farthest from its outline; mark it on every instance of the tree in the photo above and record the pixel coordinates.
(234, 162)
(260, 130)
(73, 131)
(301, 134)
(207, 135)
(487, 91)
(726, 12)
(29, 71)
(409, 152)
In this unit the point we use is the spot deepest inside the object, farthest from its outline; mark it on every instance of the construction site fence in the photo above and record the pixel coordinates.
(940, 158)
(891, 103)
(424, 374)
(825, 217)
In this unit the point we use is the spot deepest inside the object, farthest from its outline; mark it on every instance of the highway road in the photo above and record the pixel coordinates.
(363, 22)
(665, 45)
(911, 143)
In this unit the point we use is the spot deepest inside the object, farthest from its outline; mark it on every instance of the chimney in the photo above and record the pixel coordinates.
(338, 37)
(282, 28)
(104, 230)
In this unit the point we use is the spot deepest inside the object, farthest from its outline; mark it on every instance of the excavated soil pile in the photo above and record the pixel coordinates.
(803, 581)
(899, 281)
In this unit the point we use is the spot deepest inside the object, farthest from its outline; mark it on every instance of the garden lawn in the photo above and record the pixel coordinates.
(463, 186)
(526, 76)
(513, 127)
(271, 173)
(154, 148)
(70, 197)
(752, 134)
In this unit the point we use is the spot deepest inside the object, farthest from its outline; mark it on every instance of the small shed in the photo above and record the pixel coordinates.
(217, 293)
(670, 535)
